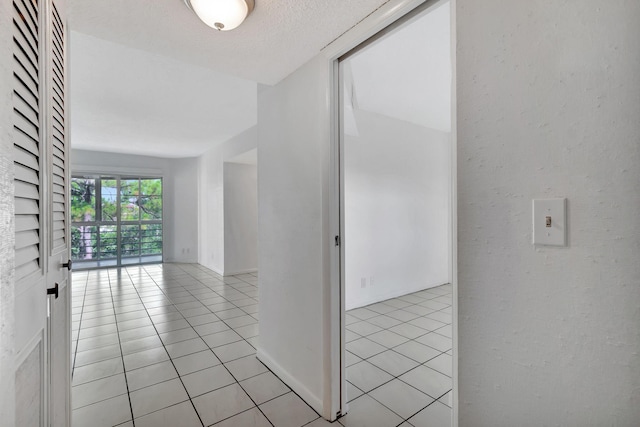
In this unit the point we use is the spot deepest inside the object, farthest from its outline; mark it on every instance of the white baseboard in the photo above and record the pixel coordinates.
(293, 383)
(233, 273)
(391, 294)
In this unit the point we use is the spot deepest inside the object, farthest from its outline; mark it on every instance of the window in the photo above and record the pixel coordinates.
(116, 220)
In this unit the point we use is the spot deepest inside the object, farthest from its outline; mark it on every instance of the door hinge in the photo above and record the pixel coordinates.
(337, 239)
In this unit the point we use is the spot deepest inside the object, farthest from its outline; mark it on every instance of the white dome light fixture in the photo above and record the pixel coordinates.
(222, 15)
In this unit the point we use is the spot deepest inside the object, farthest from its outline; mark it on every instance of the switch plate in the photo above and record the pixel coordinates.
(549, 222)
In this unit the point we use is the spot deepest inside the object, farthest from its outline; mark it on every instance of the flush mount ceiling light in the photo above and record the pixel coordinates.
(223, 15)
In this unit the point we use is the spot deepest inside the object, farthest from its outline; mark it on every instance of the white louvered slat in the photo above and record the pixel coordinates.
(26, 138)
(58, 140)
(26, 174)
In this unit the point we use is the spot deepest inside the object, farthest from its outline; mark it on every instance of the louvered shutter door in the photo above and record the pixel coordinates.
(58, 142)
(26, 131)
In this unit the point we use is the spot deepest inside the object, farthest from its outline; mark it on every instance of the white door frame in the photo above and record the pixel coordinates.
(367, 29)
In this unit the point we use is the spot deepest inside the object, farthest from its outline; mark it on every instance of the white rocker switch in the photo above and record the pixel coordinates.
(549, 222)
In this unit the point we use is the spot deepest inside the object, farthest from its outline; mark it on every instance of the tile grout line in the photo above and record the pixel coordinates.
(229, 371)
(391, 348)
(124, 369)
(165, 349)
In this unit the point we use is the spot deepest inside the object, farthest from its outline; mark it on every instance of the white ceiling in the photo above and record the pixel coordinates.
(277, 38)
(148, 77)
(130, 101)
(407, 74)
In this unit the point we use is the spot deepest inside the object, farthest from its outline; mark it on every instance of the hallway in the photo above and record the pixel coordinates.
(174, 345)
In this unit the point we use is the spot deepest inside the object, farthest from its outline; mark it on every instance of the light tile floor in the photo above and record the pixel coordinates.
(399, 361)
(174, 345)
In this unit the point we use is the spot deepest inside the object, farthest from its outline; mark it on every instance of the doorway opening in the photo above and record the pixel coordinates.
(115, 220)
(396, 180)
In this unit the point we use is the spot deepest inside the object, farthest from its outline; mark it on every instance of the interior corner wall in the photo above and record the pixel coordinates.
(397, 209)
(179, 187)
(293, 149)
(211, 241)
(7, 224)
(240, 218)
(548, 105)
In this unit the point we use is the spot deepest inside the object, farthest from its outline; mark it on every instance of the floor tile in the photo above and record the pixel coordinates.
(248, 331)
(392, 362)
(145, 358)
(364, 348)
(202, 319)
(97, 355)
(436, 341)
(207, 380)
(384, 322)
(288, 411)
(426, 323)
(184, 348)
(141, 344)
(183, 415)
(221, 338)
(211, 328)
(96, 371)
(264, 387)
(133, 324)
(156, 397)
(134, 334)
(401, 398)
(366, 376)
(106, 413)
(221, 404)
(353, 392)
(425, 379)
(367, 412)
(150, 375)
(245, 367)
(236, 350)
(388, 339)
(416, 351)
(195, 362)
(402, 315)
(251, 418)
(436, 415)
(98, 390)
(363, 328)
(442, 363)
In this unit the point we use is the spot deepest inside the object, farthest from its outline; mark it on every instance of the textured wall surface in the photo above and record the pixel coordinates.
(397, 215)
(7, 231)
(211, 197)
(240, 218)
(293, 129)
(548, 106)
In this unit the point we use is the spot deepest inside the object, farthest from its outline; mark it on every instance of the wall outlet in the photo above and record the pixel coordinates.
(363, 282)
(371, 281)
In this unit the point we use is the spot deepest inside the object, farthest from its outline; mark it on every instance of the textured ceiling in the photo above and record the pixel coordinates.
(277, 38)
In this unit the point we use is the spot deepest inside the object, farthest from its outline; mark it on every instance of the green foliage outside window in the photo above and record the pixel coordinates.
(94, 210)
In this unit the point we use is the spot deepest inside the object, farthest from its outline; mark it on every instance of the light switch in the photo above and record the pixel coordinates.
(549, 222)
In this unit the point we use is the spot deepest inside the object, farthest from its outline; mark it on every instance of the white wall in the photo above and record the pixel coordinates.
(397, 213)
(293, 236)
(548, 106)
(180, 184)
(240, 218)
(7, 228)
(211, 197)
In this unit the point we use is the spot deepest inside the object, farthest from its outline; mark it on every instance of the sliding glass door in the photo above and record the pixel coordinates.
(116, 220)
